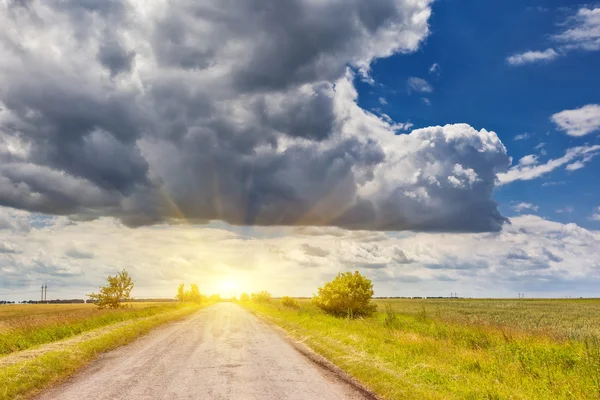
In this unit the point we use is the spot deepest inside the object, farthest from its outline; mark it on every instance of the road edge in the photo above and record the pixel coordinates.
(320, 361)
(27, 378)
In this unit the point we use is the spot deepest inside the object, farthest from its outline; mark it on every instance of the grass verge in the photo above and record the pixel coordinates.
(26, 326)
(419, 357)
(25, 379)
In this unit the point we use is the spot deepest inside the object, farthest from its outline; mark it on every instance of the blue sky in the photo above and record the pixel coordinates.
(470, 41)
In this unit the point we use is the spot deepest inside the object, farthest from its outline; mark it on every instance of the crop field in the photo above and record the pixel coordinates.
(566, 319)
(42, 344)
(458, 349)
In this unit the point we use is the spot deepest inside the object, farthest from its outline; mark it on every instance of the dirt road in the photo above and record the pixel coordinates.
(222, 352)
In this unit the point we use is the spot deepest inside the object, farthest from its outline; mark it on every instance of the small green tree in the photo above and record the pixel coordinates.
(117, 291)
(347, 295)
(261, 297)
(194, 294)
(181, 293)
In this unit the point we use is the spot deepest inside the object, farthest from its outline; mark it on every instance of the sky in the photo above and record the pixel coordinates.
(436, 146)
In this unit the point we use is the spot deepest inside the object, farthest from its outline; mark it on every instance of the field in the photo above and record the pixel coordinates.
(459, 349)
(42, 344)
(28, 325)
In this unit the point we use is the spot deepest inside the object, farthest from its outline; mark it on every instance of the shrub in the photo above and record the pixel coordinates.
(347, 295)
(287, 301)
(244, 297)
(261, 297)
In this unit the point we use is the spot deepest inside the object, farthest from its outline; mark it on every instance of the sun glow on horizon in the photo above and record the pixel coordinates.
(229, 287)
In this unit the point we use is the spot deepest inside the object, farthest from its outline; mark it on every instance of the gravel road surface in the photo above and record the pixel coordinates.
(221, 352)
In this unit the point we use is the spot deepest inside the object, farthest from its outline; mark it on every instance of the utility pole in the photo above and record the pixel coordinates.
(45, 292)
(42, 298)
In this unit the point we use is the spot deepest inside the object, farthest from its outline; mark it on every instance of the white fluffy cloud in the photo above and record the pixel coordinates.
(529, 57)
(580, 121)
(582, 30)
(530, 169)
(520, 207)
(530, 159)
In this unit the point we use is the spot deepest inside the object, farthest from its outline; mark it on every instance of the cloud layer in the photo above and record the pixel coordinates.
(243, 112)
(531, 254)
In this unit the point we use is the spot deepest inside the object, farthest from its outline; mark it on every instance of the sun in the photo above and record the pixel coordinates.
(229, 287)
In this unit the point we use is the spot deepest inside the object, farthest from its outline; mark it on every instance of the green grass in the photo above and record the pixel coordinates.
(24, 379)
(458, 349)
(26, 326)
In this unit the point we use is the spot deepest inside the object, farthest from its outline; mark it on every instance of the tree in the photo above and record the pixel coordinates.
(347, 295)
(117, 291)
(194, 294)
(181, 292)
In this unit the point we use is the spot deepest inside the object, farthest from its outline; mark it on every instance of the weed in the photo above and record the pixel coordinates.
(390, 320)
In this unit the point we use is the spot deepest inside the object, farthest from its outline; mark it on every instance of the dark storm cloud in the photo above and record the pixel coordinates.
(115, 58)
(238, 111)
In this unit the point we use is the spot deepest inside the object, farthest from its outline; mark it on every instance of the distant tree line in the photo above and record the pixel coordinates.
(57, 301)
(417, 297)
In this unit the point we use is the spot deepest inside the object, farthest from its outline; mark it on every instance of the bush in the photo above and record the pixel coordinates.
(287, 301)
(244, 297)
(347, 295)
(261, 297)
